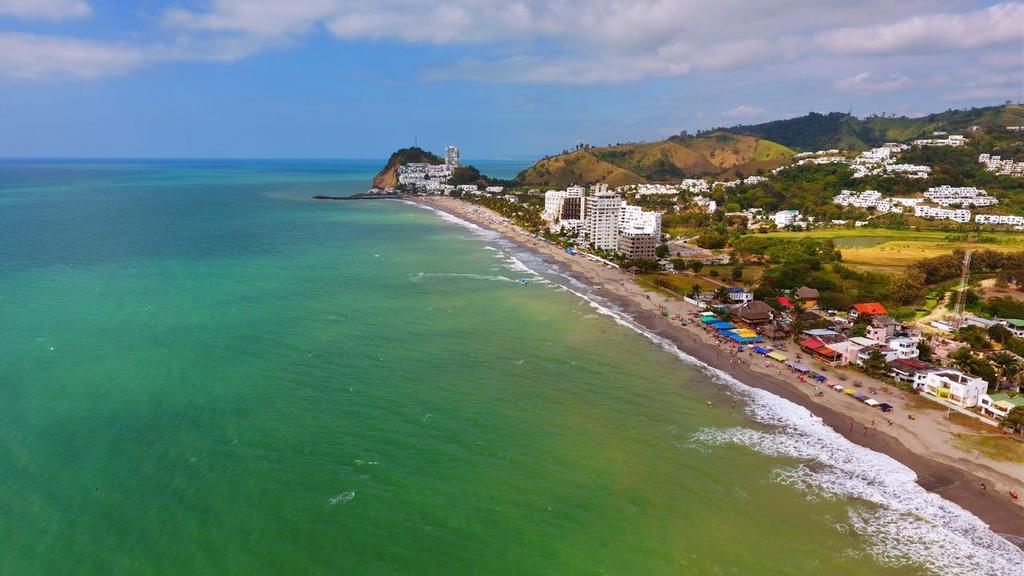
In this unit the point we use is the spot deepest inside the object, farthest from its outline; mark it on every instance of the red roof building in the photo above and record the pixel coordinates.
(819, 350)
(785, 302)
(869, 308)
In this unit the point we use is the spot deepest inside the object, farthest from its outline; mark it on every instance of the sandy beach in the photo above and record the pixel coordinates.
(925, 444)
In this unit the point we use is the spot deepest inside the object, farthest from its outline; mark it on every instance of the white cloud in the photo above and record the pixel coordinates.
(744, 112)
(35, 57)
(45, 9)
(263, 18)
(866, 82)
(992, 26)
(576, 41)
(556, 70)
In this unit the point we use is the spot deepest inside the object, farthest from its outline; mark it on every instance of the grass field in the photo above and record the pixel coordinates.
(675, 285)
(893, 250)
(995, 447)
(751, 274)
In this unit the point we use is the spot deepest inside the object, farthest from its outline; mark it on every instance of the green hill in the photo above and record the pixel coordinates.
(388, 176)
(837, 130)
(710, 154)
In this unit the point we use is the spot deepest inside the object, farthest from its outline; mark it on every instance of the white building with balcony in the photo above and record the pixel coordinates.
(954, 387)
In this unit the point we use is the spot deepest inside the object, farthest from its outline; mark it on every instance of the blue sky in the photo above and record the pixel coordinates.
(356, 79)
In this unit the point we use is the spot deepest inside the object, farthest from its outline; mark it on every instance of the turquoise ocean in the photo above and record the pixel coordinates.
(204, 371)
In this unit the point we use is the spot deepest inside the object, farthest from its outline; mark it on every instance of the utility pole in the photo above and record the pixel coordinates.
(961, 297)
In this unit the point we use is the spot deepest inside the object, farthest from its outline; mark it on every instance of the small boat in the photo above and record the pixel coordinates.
(524, 280)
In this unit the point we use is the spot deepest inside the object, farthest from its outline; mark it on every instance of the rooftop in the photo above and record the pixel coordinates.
(869, 308)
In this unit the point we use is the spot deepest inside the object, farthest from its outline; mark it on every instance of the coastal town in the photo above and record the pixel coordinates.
(941, 334)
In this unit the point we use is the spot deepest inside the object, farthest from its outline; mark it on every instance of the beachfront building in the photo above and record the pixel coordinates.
(955, 387)
(638, 245)
(849, 350)
(910, 370)
(602, 215)
(998, 405)
(636, 219)
(553, 200)
(563, 205)
(820, 350)
(754, 313)
(639, 232)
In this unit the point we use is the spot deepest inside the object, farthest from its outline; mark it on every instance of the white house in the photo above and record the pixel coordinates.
(784, 218)
(955, 387)
(905, 348)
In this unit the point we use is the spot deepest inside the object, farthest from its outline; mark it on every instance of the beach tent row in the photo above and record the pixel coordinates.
(729, 330)
(863, 398)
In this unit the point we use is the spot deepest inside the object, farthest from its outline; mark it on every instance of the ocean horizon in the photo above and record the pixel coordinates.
(203, 370)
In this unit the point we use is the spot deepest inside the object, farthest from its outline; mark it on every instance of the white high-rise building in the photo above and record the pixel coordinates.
(636, 219)
(603, 210)
(451, 156)
(553, 200)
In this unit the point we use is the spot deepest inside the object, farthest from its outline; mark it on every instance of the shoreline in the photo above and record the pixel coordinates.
(955, 477)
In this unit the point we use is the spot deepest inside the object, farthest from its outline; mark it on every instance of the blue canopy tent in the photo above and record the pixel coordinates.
(723, 325)
(742, 339)
(820, 378)
(761, 350)
(708, 319)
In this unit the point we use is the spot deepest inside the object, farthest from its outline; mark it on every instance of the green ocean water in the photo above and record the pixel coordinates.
(204, 372)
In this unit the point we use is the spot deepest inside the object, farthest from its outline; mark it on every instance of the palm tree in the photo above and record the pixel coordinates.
(1007, 365)
(961, 358)
(695, 290)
